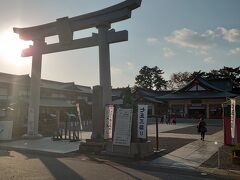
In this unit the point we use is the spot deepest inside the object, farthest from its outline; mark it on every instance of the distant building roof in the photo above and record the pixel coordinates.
(199, 88)
(149, 95)
(118, 93)
(56, 85)
(198, 80)
(15, 79)
(196, 95)
(223, 84)
(84, 89)
(48, 84)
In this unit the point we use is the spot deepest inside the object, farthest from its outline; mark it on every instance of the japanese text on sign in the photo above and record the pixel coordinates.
(122, 133)
(109, 110)
(142, 121)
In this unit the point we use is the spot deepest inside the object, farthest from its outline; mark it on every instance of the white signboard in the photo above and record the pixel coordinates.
(233, 117)
(6, 130)
(122, 133)
(142, 121)
(79, 116)
(108, 122)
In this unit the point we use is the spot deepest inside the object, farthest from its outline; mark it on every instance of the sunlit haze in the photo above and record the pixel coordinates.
(11, 47)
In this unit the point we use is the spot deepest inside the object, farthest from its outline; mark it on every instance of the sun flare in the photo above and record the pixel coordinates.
(11, 47)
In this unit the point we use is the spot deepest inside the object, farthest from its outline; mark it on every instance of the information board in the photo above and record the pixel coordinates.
(122, 133)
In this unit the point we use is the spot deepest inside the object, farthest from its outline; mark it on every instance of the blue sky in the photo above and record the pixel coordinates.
(175, 35)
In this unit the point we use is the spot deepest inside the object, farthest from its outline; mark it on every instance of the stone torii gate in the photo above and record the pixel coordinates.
(64, 28)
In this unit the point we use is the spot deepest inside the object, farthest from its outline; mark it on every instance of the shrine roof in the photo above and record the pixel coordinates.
(196, 95)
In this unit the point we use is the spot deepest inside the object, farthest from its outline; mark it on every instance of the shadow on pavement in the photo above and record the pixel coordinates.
(58, 169)
(167, 144)
(193, 130)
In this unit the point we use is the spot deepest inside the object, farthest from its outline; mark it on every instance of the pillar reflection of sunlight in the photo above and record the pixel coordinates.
(11, 47)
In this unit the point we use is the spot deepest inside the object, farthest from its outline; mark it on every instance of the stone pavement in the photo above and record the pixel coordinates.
(165, 128)
(63, 146)
(46, 144)
(193, 154)
(190, 156)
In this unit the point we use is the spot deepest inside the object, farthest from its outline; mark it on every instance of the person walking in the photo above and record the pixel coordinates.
(202, 128)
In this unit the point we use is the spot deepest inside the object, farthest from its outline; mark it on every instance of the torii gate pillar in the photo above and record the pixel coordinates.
(34, 100)
(104, 64)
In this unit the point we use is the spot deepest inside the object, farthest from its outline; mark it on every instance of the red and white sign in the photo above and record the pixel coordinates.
(233, 117)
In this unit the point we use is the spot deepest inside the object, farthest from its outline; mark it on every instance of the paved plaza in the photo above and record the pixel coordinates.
(46, 144)
(178, 150)
(193, 154)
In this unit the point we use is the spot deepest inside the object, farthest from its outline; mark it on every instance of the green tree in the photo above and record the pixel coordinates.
(158, 81)
(150, 78)
(232, 73)
(180, 79)
(144, 79)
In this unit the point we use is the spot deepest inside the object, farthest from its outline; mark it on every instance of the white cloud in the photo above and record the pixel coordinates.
(130, 66)
(235, 51)
(203, 52)
(230, 35)
(152, 40)
(209, 60)
(197, 52)
(116, 71)
(168, 52)
(190, 39)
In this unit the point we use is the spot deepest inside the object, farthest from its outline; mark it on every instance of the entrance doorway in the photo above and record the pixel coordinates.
(197, 112)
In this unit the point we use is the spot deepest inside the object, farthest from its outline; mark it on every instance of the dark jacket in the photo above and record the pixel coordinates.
(202, 126)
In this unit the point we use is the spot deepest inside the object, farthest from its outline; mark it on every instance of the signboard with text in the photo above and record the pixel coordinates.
(142, 121)
(233, 117)
(79, 116)
(122, 133)
(108, 121)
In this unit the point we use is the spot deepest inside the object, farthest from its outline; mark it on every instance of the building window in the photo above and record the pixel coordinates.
(197, 111)
(196, 101)
(178, 110)
(215, 111)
